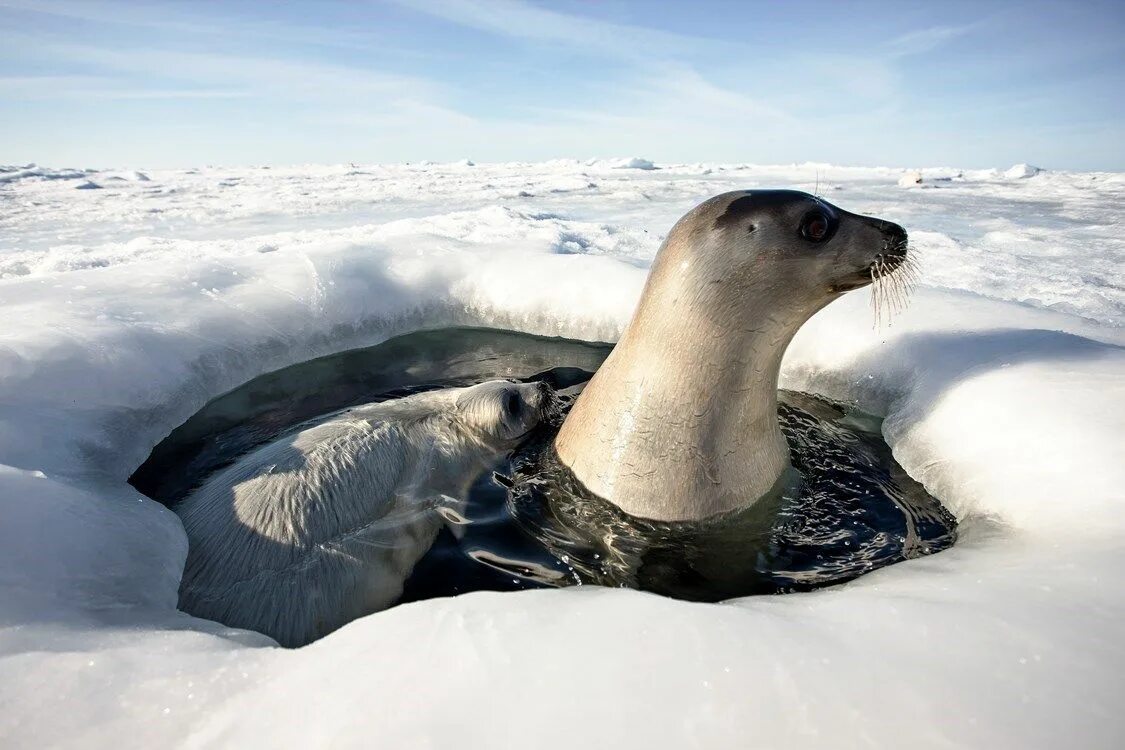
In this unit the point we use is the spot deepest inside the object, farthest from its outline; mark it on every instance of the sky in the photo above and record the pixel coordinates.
(131, 83)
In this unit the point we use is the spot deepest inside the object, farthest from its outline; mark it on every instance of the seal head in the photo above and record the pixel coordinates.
(680, 423)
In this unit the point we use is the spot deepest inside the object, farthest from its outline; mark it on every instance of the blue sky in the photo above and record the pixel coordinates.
(153, 84)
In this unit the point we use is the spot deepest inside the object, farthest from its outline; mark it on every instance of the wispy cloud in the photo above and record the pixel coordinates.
(193, 20)
(259, 74)
(136, 14)
(213, 56)
(520, 20)
(96, 87)
(682, 89)
(662, 81)
(921, 41)
(122, 72)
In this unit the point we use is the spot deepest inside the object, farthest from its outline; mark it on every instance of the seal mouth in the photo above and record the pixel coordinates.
(881, 266)
(853, 281)
(886, 263)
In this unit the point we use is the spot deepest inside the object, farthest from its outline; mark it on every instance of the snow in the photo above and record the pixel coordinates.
(635, 163)
(14, 173)
(1020, 171)
(126, 308)
(910, 179)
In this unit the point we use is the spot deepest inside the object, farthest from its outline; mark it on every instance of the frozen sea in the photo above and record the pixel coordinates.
(128, 299)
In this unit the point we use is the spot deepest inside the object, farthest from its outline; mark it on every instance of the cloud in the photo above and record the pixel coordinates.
(926, 40)
(161, 73)
(106, 12)
(186, 20)
(661, 89)
(96, 87)
(523, 21)
(679, 94)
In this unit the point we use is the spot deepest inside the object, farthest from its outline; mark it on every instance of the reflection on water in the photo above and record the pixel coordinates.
(849, 508)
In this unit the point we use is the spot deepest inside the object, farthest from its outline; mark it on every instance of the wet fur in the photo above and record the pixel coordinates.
(680, 423)
(311, 531)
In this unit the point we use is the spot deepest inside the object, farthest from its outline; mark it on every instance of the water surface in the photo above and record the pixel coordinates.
(849, 507)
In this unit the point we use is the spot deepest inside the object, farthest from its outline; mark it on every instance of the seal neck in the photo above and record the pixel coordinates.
(680, 423)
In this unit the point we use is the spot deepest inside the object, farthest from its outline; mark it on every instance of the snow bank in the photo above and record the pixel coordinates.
(1020, 171)
(910, 179)
(35, 172)
(1008, 409)
(130, 175)
(635, 163)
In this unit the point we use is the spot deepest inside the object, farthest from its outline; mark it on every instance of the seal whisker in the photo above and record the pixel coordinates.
(899, 291)
(873, 271)
(876, 294)
(893, 283)
(902, 281)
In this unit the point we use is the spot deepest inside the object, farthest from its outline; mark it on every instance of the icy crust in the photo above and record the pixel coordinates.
(1011, 414)
(992, 232)
(1007, 413)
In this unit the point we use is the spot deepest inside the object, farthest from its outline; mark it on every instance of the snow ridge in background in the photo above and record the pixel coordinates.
(1011, 235)
(127, 307)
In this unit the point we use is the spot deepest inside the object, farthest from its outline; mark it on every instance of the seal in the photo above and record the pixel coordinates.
(680, 423)
(308, 532)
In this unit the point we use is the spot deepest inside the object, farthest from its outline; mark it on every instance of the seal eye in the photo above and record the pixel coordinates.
(512, 404)
(816, 227)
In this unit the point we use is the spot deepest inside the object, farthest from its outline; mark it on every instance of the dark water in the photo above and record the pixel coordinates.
(849, 508)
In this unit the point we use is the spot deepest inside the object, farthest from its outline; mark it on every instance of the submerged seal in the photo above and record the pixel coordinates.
(680, 423)
(310, 531)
